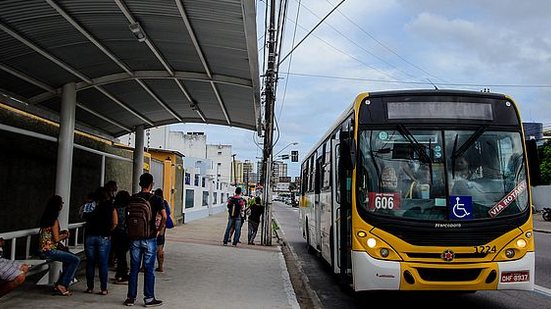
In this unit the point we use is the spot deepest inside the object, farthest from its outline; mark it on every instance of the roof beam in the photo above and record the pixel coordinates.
(110, 96)
(68, 68)
(192, 103)
(249, 25)
(45, 54)
(156, 98)
(111, 121)
(28, 79)
(89, 36)
(54, 92)
(150, 44)
(161, 59)
(201, 55)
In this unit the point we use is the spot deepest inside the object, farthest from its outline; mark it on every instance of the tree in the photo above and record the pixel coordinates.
(545, 166)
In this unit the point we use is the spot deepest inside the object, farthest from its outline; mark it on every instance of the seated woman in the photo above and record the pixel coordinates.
(50, 247)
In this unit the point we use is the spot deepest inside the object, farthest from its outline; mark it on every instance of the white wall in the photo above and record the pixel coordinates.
(221, 154)
(541, 195)
(199, 211)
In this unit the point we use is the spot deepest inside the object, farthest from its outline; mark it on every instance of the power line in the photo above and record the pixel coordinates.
(385, 46)
(290, 61)
(348, 55)
(419, 82)
(355, 43)
(308, 34)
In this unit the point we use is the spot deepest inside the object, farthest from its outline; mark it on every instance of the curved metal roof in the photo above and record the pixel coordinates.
(189, 61)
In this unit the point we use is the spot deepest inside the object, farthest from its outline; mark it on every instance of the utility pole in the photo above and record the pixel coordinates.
(266, 235)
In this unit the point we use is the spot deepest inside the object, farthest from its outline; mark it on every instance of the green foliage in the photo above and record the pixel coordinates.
(545, 163)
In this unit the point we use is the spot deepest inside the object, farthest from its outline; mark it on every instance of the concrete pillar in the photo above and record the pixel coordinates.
(102, 173)
(65, 150)
(64, 162)
(138, 158)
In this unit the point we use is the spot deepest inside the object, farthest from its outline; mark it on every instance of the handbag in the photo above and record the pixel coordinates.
(61, 246)
(169, 222)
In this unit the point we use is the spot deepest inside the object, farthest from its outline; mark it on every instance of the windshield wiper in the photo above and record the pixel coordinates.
(453, 155)
(417, 147)
(461, 150)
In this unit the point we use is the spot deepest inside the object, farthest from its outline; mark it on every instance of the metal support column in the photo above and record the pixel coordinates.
(102, 175)
(65, 161)
(138, 158)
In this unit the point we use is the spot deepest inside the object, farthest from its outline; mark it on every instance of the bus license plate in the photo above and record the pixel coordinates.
(514, 276)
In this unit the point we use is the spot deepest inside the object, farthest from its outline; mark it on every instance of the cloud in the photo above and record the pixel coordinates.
(478, 42)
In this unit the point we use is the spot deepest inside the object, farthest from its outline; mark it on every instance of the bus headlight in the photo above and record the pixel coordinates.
(509, 253)
(371, 242)
(384, 252)
(528, 234)
(521, 243)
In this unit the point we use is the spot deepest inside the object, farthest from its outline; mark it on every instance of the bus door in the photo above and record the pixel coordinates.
(317, 204)
(336, 207)
(345, 156)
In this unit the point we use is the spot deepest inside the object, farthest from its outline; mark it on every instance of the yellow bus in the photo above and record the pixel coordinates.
(422, 190)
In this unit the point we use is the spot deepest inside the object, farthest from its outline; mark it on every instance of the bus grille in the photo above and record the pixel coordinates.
(446, 238)
(439, 274)
(427, 255)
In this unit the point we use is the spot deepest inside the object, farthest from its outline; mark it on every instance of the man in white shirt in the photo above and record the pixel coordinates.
(12, 273)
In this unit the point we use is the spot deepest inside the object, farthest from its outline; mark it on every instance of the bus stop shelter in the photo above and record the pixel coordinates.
(112, 67)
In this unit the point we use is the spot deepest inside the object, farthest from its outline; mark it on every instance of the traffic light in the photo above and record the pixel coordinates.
(294, 155)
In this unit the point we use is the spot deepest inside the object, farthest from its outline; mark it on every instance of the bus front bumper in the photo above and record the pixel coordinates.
(374, 274)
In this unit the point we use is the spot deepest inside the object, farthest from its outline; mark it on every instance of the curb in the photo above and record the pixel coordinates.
(312, 295)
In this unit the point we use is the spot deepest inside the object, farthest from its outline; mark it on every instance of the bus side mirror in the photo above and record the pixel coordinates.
(352, 152)
(348, 153)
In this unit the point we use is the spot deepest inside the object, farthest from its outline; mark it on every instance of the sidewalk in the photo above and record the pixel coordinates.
(199, 273)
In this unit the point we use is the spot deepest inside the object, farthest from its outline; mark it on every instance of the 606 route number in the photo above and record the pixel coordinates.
(390, 201)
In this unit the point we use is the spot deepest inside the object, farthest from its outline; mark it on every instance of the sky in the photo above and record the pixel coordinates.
(393, 44)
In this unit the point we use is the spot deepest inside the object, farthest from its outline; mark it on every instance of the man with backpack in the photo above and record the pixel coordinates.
(236, 206)
(142, 231)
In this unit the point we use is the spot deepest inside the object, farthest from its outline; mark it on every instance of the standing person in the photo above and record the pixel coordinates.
(256, 210)
(50, 247)
(97, 245)
(120, 238)
(112, 188)
(12, 273)
(235, 207)
(142, 232)
(161, 238)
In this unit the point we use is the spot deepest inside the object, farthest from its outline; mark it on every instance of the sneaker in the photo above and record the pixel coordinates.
(129, 302)
(154, 303)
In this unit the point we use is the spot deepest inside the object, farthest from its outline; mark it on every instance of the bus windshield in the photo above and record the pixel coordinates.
(437, 175)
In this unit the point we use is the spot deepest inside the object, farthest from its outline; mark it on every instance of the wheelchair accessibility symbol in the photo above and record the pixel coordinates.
(461, 207)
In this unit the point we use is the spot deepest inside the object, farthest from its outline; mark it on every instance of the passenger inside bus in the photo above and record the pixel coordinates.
(389, 181)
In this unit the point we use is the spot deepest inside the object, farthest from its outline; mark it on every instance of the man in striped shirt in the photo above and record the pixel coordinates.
(12, 273)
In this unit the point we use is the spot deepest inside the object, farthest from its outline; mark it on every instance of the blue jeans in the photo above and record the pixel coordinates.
(253, 228)
(70, 264)
(146, 249)
(97, 252)
(234, 223)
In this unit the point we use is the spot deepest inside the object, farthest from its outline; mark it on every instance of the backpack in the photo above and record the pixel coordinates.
(138, 218)
(234, 207)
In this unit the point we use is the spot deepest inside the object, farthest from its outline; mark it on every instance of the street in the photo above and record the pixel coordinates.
(331, 296)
